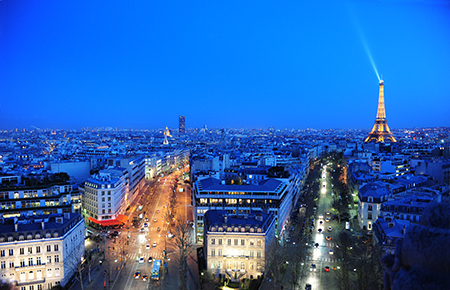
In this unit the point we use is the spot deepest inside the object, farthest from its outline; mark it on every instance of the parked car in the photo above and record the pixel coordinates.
(312, 268)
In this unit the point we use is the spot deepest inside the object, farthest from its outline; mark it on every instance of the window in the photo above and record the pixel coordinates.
(30, 261)
(22, 251)
(220, 264)
(229, 242)
(3, 265)
(252, 253)
(252, 243)
(56, 248)
(30, 275)
(220, 241)
(235, 242)
(213, 265)
(49, 248)
(22, 262)
(56, 258)
(2, 253)
(258, 266)
(213, 241)
(220, 252)
(370, 207)
(38, 261)
(49, 273)
(11, 252)
(30, 250)
(213, 252)
(251, 266)
(49, 259)
(258, 242)
(258, 254)
(242, 253)
(369, 215)
(242, 266)
(38, 249)
(39, 287)
(56, 272)
(242, 242)
(11, 264)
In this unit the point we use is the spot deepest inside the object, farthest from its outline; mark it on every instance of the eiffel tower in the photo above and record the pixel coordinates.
(380, 131)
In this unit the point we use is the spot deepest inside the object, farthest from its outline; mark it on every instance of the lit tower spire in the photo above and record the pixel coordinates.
(380, 131)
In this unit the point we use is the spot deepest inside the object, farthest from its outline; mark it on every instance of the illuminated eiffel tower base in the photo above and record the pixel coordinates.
(380, 131)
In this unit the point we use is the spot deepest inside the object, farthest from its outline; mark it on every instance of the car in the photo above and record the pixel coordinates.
(327, 269)
(313, 268)
(308, 287)
(150, 259)
(331, 252)
(328, 213)
(147, 247)
(137, 275)
(321, 216)
(288, 239)
(157, 211)
(142, 230)
(141, 260)
(145, 224)
(316, 245)
(328, 238)
(154, 244)
(330, 229)
(327, 219)
(319, 230)
(158, 229)
(146, 219)
(320, 222)
(144, 278)
(155, 220)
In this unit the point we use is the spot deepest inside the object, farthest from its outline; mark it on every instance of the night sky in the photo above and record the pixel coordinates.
(228, 64)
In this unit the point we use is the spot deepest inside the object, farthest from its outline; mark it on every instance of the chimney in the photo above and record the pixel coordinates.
(16, 227)
(42, 224)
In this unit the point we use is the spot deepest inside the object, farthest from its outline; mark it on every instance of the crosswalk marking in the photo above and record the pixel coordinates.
(145, 256)
(322, 259)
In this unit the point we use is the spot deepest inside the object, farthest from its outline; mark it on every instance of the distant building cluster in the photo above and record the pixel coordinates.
(244, 187)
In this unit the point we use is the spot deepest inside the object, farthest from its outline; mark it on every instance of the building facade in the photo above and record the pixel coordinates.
(105, 195)
(39, 199)
(235, 245)
(39, 252)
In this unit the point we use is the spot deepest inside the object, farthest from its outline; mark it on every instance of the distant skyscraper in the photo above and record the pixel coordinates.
(380, 131)
(181, 124)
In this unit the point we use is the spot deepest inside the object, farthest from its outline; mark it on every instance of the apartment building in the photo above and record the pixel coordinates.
(39, 252)
(105, 197)
(271, 195)
(40, 199)
(235, 245)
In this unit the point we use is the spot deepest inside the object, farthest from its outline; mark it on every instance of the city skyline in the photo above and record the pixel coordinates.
(227, 65)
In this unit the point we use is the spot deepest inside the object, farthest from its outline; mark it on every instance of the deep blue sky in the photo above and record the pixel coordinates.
(235, 64)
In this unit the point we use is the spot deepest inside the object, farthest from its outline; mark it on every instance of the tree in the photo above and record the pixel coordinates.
(74, 262)
(183, 243)
(369, 269)
(344, 247)
(275, 263)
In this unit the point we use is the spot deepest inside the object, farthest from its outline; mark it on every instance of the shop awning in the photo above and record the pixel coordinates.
(121, 219)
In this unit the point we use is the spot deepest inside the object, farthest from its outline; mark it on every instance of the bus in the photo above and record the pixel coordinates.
(156, 269)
